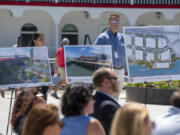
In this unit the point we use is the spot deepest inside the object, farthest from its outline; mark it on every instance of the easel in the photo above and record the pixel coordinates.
(87, 38)
(147, 85)
(150, 85)
(12, 92)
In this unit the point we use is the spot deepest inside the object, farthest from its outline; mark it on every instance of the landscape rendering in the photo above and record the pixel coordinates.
(151, 51)
(22, 66)
(82, 61)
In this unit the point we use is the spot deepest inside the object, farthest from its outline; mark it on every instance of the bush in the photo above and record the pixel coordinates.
(159, 85)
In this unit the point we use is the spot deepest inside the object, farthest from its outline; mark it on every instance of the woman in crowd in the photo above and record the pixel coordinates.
(77, 103)
(132, 119)
(27, 98)
(38, 41)
(43, 119)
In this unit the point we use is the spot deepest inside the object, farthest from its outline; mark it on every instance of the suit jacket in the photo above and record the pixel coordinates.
(104, 110)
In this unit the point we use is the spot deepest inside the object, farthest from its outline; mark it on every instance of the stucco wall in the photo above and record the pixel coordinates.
(10, 26)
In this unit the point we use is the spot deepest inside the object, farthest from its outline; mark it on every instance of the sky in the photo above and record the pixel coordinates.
(76, 51)
(39, 52)
(8, 52)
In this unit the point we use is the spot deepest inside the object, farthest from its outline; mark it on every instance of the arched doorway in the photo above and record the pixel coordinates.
(26, 34)
(70, 31)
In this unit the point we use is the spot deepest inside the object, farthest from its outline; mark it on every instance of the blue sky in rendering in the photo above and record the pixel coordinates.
(8, 52)
(77, 51)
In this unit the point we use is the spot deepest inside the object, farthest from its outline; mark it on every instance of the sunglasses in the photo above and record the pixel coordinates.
(114, 21)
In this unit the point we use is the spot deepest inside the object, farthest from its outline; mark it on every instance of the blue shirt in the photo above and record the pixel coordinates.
(76, 125)
(168, 124)
(117, 43)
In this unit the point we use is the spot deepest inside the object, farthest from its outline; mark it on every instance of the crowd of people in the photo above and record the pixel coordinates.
(90, 109)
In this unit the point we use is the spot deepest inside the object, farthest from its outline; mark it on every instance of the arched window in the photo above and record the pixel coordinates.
(29, 27)
(69, 28)
(70, 31)
(26, 34)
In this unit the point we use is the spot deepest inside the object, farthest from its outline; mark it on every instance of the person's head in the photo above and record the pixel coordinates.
(175, 99)
(43, 119)
(77, 99)
(23, 104)
(37, 40)
(114, 22)
(106, 79)
(131, 119)
(65, 41)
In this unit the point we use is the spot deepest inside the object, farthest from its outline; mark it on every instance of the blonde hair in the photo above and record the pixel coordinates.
(129, 120)
(40, 117)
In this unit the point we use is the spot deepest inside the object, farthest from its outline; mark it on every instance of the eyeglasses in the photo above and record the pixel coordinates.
(114, 21)
(114, 78)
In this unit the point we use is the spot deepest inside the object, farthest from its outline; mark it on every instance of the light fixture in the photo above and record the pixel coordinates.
(86, 14)
(158, 15)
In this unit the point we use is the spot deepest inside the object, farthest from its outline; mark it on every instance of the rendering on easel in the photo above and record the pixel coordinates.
(82, 61)
(153, 53)
(24, 67)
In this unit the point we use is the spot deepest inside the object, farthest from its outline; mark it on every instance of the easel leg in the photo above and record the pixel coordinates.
(146, 96)
(9, 111)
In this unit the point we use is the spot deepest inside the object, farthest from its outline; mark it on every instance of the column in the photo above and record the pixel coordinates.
(57, 35)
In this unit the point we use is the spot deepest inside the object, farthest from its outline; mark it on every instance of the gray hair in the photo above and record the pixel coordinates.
(65, 41)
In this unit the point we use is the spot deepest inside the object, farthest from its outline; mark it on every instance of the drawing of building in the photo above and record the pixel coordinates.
(149, 47)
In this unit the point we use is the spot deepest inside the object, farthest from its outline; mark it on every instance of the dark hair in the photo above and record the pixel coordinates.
(75, 98)
(22, 105)
(110, 17)
(40, 117)
(99, 76)
(35, 36)
(175, 99)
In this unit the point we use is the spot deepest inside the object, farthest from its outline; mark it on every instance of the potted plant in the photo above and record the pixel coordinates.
(152, 93)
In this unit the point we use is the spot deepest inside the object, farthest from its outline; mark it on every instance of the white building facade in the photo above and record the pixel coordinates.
(79, 20)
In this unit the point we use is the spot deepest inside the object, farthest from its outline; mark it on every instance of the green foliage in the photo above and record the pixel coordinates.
(159, 85)
(140, 62)
(141, 85)
(45, 79)
(30, 74)
(39, 64)
(173, 57)
(147, 64)
(46, 66)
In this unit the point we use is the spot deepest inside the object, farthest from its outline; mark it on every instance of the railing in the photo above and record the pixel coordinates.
(76, 1)
(129, 2)
(157, 2)
(97, 1)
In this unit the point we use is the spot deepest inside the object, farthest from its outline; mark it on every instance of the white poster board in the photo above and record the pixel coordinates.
(153, 53)
(24, 67)
(81, 61)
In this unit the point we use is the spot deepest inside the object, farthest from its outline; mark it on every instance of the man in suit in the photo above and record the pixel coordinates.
(106, 83)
